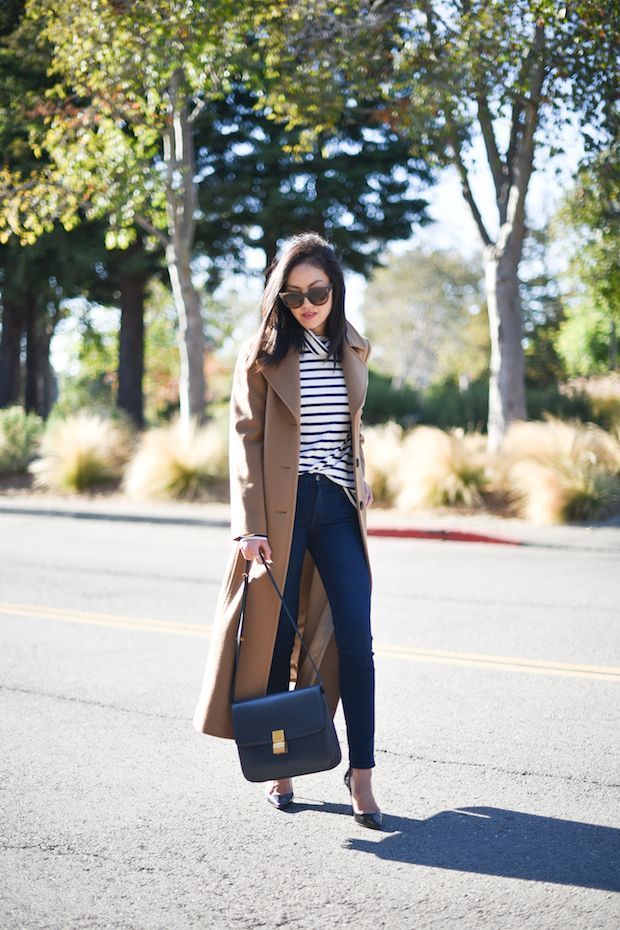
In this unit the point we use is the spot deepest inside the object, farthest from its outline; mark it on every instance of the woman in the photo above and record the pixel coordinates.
(299, 498)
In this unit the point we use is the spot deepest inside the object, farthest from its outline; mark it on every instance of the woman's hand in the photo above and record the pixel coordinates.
(251, 549)
(368, 494)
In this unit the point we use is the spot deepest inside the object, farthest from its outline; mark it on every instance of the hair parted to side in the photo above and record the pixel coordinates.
(280, 331)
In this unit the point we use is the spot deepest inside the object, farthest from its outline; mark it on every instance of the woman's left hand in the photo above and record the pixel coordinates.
(368, 494)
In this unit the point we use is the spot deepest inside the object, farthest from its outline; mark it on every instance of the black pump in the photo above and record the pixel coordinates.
(372, 821)
(279, 800)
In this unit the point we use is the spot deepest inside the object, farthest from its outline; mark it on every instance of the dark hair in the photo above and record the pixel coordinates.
(280, 332)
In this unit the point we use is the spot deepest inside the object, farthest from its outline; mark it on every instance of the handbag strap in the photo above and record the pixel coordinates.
(242, 621)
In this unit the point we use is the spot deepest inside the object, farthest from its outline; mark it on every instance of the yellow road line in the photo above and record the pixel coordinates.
(505, 663)
(102, 619)
(505, 660)
(444, 657)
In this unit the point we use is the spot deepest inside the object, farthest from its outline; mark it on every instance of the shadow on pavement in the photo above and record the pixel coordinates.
(492, 841)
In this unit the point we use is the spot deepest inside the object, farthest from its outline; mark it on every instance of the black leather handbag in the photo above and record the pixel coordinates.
(285, 734)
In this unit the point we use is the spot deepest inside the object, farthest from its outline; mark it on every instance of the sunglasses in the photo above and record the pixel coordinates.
(316, 295)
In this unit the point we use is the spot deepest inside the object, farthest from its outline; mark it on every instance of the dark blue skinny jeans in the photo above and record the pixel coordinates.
(326, 523)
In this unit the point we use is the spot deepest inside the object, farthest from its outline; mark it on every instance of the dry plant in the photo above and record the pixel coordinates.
(556, 471)
(438, 468)
(382, 453)
(179, 461)
(82, 451)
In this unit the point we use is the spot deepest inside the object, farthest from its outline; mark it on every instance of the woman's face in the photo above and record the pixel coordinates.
(301, 278)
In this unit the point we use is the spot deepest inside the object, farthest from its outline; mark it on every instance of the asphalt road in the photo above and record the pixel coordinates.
(498, 744)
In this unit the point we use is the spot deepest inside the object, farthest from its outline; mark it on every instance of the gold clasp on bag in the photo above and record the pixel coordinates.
(278, 742)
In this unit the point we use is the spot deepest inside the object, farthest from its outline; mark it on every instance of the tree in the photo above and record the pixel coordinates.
(353, 185)
(590, 222)
(23, 318)
(121, 278)
(118, 134)
(450, 72)
(472, 65)
(35, 282)
(417, 310)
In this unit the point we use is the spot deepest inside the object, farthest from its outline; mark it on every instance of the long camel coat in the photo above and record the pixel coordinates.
(264, 456)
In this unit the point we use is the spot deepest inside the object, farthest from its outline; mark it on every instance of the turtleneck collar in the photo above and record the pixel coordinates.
(318, 345)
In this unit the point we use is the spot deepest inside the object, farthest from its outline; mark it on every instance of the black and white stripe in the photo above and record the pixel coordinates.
(325, 418)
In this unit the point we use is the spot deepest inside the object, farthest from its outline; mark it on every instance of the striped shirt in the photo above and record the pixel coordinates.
(326, 446)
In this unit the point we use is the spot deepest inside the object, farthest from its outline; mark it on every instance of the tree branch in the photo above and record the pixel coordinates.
(152, 230)
(523, 161)
(496, 164)
(515, 130)
(466, 189)
(199, 106)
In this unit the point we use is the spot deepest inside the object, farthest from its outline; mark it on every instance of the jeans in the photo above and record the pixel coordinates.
(326, 523)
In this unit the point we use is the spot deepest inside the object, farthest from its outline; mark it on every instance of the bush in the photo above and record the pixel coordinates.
(551, 402)
(384, 402)
(441, 469)
(603, 395)
(80, 452)
(445, 405)
(178, 461)
(20, 433)
(555, 472)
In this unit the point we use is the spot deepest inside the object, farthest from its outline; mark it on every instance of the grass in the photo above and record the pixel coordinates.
(557, 472)
(382, 453)
(80, 453)
(439, 469)
(549, 471)
(178, 461)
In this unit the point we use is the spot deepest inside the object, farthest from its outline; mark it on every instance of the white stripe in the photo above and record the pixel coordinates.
(325, 417)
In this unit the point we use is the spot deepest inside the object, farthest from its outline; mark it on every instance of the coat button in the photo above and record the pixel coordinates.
(357, 463)
(361, 505)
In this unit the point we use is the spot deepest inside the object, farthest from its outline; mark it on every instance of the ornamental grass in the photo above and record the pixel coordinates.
(438, 469)
(178, 462)
(382, 454)
(81, 452)
(556, 472)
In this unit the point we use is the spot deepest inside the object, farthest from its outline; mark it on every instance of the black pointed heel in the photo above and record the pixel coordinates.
(280, 800)
(372, 821)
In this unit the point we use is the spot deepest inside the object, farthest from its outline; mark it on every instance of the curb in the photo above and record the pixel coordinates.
(444, 536)
(113, 517)
(157, 519)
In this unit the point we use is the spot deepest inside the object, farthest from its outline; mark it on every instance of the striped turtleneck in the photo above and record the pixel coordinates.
(325, 417)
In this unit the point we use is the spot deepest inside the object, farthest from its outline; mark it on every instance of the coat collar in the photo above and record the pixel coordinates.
(284, 377)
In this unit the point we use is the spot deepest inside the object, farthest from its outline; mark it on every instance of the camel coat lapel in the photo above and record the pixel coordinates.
(264, 457)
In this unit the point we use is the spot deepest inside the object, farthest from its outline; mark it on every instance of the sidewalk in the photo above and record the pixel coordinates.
(442, 526)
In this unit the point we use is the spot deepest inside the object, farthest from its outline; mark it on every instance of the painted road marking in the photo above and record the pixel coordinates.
(445, 657)
(102, 619)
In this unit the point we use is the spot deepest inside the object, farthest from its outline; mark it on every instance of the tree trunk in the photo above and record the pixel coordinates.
(269, 244)
(181, 202)
(33, 356)
(131, 346)
(48, 386)
(507, 400)
(510, 173)
(613, 346)
(9, 352)
(191, 338)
